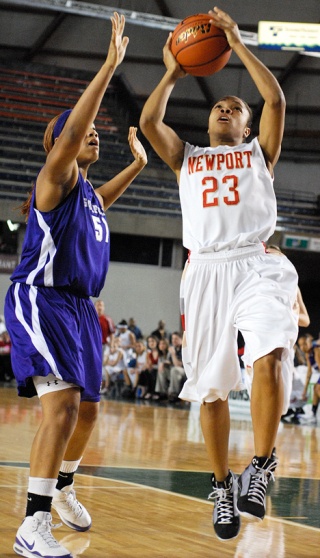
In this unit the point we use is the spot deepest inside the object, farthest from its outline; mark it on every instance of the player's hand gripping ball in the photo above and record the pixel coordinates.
(200, 47)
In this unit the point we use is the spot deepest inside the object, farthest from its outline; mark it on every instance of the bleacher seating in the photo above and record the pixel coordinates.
(30, 98)
(298, 212)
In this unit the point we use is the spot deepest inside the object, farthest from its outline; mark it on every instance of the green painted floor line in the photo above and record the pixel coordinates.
(292, 499)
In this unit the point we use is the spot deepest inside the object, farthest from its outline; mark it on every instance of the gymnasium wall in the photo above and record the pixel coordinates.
(297, 176)
(146, 293)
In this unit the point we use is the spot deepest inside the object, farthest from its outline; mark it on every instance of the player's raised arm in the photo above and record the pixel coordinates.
(273, 114)
(163, 139)
(109, 192)
(59, 174)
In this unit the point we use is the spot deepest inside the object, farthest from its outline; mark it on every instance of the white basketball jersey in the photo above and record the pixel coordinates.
(227, 197)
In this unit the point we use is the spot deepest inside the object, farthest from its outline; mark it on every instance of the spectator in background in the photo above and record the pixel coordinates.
(106, 323)
(136, 364)
(2, 324)
(107, 336)
(132, 326)
(161, 332)
(177, 373)
(6, 373)
(163, 375)
(127, 338)
(299, 356)
(114, 364)
(311, 350)
(150, 374)
(240, 342)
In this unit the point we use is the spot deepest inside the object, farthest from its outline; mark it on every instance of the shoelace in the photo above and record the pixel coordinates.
(259, 483)
(73, 503)
(44, 530)
(223, 500)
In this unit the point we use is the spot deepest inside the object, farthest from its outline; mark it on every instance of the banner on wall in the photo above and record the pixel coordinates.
(8, 263)
(301, 243)
(314, 244)
(295, 242)
(284, 35)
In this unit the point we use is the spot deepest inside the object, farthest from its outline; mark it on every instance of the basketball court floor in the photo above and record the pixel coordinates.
(145, 479)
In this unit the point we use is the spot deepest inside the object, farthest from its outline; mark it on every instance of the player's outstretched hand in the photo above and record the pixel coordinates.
(222, 20)
(170, 61)
(118, 43)
(136, 147)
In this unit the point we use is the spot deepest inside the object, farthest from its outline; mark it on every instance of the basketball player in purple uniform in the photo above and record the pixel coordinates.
(54, 327)
(311, 350)
(230, 284)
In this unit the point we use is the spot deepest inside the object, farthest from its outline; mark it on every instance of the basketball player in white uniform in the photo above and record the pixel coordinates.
(229, 283)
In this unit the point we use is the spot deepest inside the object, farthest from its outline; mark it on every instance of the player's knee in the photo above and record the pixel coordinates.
(67, 416)
(268, 368)
(65, 419)
(88, 412)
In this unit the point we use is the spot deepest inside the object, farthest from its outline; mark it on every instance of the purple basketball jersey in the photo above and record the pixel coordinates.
(67, 247)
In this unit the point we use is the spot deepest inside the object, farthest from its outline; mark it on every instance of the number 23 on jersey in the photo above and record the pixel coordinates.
(210, 196)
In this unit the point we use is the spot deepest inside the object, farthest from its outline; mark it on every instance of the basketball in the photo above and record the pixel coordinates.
(199, 47)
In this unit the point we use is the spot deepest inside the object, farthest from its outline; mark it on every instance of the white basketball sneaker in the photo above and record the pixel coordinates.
(34, 538)
(70, 510)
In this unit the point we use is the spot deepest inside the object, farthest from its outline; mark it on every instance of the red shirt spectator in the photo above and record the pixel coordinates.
(106, 323)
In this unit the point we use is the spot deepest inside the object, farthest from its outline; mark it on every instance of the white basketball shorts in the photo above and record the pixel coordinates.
(243, 289)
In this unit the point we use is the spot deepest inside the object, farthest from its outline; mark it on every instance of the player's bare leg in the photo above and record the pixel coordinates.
(215, 424)
(65, 502)
(266, 409)
(59, 418)
(266, 402)
(87, 418)
(60, 415)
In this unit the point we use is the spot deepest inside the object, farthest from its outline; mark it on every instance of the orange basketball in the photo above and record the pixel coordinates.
(199, 47)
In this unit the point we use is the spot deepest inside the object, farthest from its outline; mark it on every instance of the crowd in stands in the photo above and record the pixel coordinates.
(306, 380)
(136, 366)
(6, 373)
